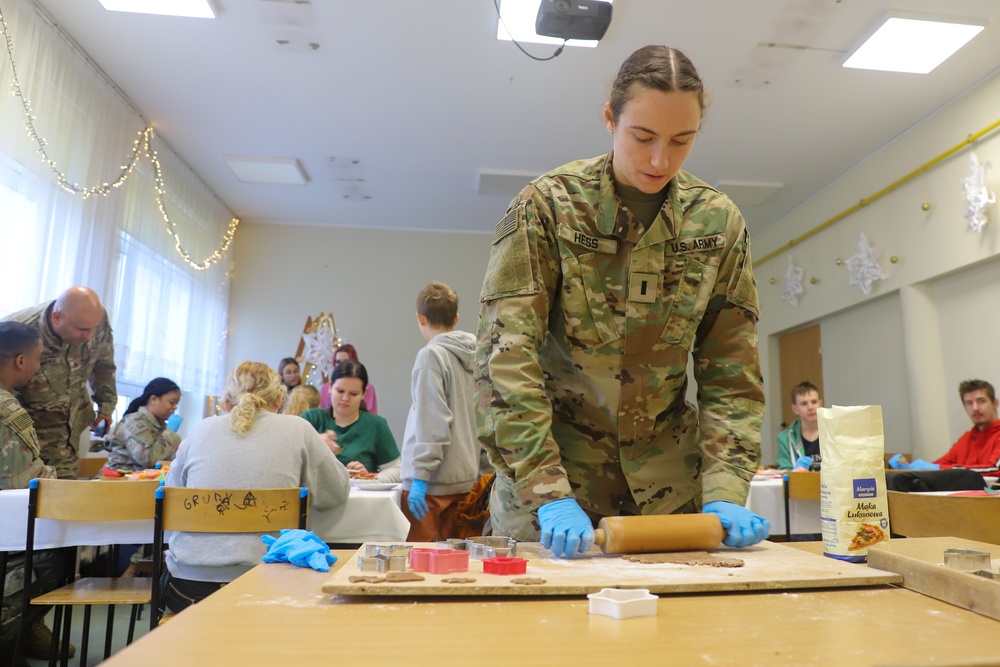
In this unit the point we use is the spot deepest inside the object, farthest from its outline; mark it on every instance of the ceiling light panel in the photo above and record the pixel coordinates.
(279, 171)
(517, 21)
(201, 9)
(914, 44)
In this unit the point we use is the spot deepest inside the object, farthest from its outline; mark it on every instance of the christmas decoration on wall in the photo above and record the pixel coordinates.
(319, 338)
(977, 195)
(864, 267)
(793, 283)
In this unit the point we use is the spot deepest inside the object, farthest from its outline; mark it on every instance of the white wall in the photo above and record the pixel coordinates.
(937, 303)
(868, 336)
(369, 279)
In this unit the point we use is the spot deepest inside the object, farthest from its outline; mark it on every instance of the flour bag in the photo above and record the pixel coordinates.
(854, 507)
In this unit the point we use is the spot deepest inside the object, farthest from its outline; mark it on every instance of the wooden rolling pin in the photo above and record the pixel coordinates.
(659, 533)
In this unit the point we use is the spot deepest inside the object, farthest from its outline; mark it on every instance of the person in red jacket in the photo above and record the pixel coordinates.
(979, 448)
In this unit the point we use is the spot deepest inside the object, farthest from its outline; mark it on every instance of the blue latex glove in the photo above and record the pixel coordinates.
(566, 528)
(174, 422)
(920, 464)
(804, 462)
(298, 547)
(896, 464)
(417, 498)
(743, 527)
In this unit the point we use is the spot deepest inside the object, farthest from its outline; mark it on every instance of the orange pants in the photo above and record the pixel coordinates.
(438, 523)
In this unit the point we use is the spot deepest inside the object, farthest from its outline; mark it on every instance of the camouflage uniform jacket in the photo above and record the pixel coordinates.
(56, 398)
(19, 453)
(140, 440)
(586, 327)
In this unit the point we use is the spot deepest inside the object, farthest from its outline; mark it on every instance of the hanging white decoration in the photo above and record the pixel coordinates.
(864, 267)
(319, 348)
(793, 283)
(977, 195)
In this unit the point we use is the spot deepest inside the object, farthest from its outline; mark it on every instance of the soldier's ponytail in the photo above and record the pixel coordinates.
(156, 387)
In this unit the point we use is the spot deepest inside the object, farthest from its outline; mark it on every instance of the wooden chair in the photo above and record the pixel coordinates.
(222, 511)
(90, 466)
(798, 486)
(80, 500)
(922, 515)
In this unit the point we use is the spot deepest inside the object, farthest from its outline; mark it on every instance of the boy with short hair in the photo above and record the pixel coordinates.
(798, 445)
(440, 457)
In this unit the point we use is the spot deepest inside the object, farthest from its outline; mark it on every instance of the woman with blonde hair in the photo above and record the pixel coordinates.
(251, 447)
(302, 398)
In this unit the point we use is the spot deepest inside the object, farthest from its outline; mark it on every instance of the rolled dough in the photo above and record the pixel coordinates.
(685, 558)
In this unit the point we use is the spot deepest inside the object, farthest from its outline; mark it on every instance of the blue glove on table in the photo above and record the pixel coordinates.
(920, 464)
(298, 547)
(804, 462)
(743, 527)
(417, 498)
(896, 463)
(566, 528)
(174, 422)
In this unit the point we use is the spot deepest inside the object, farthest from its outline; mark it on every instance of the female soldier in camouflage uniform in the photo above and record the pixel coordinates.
(147, 432)
(605, 277)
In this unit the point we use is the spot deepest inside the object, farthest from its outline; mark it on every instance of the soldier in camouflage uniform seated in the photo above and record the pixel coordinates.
(20, 357)
(605, 277)
(77, 348)
(147, 432)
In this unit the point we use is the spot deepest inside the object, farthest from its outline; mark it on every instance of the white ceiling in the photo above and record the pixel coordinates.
(423, 95)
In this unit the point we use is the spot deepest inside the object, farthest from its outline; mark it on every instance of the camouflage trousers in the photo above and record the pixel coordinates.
(59, 445)
(508, 517)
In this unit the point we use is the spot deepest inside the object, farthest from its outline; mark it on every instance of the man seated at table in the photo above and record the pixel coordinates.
(20, 462)
(979, 448)
(798, 445)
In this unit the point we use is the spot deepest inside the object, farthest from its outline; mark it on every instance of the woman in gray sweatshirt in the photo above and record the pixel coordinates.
(250, 447)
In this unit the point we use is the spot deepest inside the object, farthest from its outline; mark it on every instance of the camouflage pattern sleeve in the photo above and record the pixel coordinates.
(513, 412)
(727, 371)
(102, 377)
(20, 461)
(139, 441)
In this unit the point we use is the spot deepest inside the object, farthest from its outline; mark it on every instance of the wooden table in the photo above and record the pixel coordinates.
(276, 615)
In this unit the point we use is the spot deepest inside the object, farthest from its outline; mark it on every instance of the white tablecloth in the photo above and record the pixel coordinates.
(767, 499)
(368, 516)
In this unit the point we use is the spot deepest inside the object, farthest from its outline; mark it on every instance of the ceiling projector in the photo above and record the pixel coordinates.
(573, 19)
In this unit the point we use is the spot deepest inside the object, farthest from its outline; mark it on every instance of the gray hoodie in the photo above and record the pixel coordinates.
(440, 443)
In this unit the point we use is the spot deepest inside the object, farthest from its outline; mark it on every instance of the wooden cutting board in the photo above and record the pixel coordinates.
(767, 566)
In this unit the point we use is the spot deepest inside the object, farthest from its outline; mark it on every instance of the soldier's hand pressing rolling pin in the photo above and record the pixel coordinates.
(743, 527)
(566, 528)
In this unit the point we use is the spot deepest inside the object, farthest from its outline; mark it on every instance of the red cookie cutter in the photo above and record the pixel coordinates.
(505, 565)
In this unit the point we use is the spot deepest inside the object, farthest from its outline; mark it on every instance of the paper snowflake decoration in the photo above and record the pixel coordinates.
(793, 283)
(864, 267)
(977, 195)
(319, 349)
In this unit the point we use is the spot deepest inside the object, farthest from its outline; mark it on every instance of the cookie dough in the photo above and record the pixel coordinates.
(685, 558)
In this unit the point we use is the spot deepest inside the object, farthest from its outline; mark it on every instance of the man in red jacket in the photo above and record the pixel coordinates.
(979, 448)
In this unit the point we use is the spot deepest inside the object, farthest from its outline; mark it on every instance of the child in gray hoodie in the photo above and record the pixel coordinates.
(441, 454)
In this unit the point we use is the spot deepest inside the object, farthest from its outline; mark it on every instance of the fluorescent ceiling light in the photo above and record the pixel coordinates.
(917, 45)
(517, 20)
(201, 9)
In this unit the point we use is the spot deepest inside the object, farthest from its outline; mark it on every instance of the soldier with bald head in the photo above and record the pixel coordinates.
(77, 349)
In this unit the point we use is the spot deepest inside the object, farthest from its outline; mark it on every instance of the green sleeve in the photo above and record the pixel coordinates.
(385, 444)
(102, 377)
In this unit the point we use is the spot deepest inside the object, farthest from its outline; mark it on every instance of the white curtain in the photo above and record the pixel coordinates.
(169, 319)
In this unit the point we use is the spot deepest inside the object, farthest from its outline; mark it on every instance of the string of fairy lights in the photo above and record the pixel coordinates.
(141, 147)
